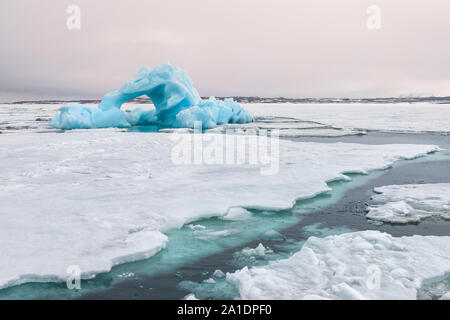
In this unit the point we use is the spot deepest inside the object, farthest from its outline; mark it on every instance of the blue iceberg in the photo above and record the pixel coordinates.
(177, 105)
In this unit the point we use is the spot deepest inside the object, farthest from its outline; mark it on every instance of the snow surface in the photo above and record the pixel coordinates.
(259, 251)
(237, 214)
(287, 129)
(358, 265)
(96, 198)
(302, 119)
(177, 105)
(403, 117)
(446, 296)
(15, 118)
(410, 202)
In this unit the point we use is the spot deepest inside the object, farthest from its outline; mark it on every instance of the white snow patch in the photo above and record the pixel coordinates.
(287, 129)
(190, 296)
(347, 266)
(404, 117)
(445, 296)
(219, 274)
(237, 214)
(206, 234)
(259, 251)
(410, 202)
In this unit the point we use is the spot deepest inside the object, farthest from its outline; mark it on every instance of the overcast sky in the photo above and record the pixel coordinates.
(297, 48)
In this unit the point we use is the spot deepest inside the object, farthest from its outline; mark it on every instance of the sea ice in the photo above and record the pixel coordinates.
(252, 256)
(259, 251)
(410, 202)
(358, 265)
(218, 274)
(272, 235)
(446, 296)
(177, 105)
(96, 198)
(401, 117)
(419, 117)
(18, 118)
(190, 297)
(237, 214)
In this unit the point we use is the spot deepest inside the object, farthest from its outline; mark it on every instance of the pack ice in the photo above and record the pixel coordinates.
(410, 202)
(398, 117)
(177, 105)
(98, 198)
(358, 265)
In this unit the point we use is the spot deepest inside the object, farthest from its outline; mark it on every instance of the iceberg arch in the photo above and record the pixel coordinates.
(177, 105)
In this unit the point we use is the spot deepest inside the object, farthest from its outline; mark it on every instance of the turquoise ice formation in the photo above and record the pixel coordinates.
(177, 105)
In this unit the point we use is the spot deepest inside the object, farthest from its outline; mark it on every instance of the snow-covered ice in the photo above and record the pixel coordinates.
(358, 265)
(96, 198)
(19, 118)
(446, 296)
(294, 129)
(402, 117)
(410, 202)
(253, 256)
(237, 214)
(259, 251)
(298, 120)
(177, 105)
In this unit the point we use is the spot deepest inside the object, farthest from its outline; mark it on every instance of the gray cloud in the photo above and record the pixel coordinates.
(307, 48)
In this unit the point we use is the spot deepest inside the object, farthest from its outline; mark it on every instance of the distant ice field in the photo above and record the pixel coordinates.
(351, 118)
(401, 117)
(356, 266)
(410, 202)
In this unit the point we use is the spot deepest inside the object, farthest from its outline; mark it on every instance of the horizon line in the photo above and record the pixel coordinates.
(256, 98)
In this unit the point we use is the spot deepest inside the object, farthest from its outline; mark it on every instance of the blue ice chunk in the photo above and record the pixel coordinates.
(168, 87)
(140, 116)
(78, 116)
(211, 113)
(177, 104)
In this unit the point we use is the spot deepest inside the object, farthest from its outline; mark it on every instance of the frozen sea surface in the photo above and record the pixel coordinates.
(340, 211)
(359, 265)
(410, 202)
(116, 166)
(399, 117)
(99, 198)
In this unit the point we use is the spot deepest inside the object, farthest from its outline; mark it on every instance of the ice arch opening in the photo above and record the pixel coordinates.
(177, 104)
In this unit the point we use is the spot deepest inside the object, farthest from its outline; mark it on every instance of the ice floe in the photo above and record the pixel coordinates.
(15, 118)
(358, 265)
(259, 251)
(410, 202)
(237, 214)
(403, 117)
(285, 128)
(96, 198)
(253, 256)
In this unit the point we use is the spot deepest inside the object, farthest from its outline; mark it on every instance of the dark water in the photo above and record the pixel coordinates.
(347, 213)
